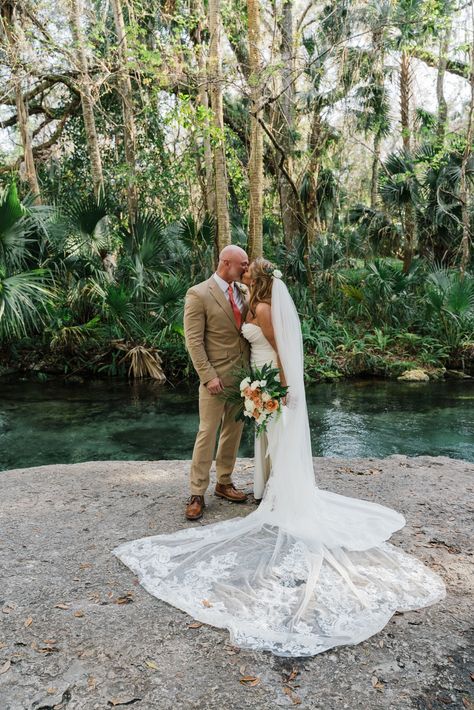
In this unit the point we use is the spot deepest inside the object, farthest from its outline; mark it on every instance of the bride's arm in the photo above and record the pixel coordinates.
(263, 313)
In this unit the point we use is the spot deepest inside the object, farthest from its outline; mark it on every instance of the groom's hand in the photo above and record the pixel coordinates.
(215, 386)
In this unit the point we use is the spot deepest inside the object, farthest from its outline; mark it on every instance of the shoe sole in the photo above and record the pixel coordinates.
(232, 500)
(195, 517)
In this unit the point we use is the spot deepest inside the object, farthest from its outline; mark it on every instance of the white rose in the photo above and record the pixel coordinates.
(249, 406)
(263, 383)
(254, 384)
(266, 397)
(277, 273)
(245, 383)
(247, 414)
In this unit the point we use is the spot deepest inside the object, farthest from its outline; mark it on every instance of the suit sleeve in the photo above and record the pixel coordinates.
(194, 326)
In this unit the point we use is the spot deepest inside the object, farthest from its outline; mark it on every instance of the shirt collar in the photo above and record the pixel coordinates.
(223, 285)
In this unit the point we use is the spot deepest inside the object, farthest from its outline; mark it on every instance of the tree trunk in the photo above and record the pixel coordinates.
(84, 87)
(208, 185)
(374, 183)
(129, 130)
(442, 104)
(315, 146)
(255, 236)
(289, 211)
(410, 224)
(8, 15)
(464, 187)
(378, 78)
(220, 172)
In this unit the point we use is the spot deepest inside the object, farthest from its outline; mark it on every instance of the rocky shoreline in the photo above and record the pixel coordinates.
(78, 632)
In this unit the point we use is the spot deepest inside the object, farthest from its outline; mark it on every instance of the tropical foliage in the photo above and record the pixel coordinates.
(138, 138)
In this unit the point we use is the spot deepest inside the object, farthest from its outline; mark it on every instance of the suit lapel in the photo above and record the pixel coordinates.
(221, 300)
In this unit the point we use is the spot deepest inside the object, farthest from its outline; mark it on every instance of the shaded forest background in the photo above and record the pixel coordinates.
(139, 137)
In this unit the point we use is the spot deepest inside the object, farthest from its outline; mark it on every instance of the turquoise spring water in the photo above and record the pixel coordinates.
(51, 422)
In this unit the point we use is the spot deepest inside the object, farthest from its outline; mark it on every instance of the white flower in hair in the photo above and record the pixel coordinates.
(277, 273)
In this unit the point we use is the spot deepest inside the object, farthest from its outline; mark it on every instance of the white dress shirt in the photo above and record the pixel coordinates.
(224, 286)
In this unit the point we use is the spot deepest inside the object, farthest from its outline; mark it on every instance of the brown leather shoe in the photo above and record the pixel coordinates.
(194, 507)
(230, 492)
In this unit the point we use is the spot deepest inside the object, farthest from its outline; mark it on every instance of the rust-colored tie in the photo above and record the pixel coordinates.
(235, 308)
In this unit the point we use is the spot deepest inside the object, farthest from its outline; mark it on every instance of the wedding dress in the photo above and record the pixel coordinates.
(261, 353)
(308, 569)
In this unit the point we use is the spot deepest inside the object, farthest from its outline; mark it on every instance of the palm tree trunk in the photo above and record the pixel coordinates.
(8, 18)
(255, 237)
(374, 182)
(410, 224)
(442, 105)
(129, 130)
(84, 87)
(288, 209)
(220, 172)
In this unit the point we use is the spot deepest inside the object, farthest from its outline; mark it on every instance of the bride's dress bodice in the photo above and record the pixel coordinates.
(261, 352)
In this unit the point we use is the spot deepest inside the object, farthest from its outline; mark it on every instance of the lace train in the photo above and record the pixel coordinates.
(273, 591)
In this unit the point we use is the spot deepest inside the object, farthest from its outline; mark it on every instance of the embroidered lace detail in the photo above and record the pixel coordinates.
(275, 592)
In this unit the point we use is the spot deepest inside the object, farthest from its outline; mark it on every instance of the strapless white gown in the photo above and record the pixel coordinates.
(261, 353)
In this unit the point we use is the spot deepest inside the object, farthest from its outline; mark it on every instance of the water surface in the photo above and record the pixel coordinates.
(51, 422)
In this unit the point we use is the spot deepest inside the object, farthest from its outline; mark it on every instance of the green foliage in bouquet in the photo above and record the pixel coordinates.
(257, 395)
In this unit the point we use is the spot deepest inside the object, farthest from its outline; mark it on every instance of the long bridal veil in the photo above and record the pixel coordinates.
(308, 569)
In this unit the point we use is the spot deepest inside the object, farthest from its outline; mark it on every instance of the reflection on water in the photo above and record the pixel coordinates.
(45, 423)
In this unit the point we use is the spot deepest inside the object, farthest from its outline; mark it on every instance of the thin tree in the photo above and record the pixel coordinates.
(208, 183)
(129, 130)
(464, 187)
(220, 172)
(255, 235)
(10, 28)
(285, 120)
(84, 85)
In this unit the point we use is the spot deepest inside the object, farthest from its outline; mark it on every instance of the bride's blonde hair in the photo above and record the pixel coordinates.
(261, 271)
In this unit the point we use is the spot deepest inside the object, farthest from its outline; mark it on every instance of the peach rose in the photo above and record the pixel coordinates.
(271, 405)
(248, 392)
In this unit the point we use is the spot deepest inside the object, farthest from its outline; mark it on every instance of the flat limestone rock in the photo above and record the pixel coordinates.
(78, 632)
(415, 375)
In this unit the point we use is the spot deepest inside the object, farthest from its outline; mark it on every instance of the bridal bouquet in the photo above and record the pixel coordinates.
(258, 396)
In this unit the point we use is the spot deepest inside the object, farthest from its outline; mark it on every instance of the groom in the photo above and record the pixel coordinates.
(213, 314)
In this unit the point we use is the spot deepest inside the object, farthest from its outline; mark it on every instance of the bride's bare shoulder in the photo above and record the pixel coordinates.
(263, 313)
(263, 307)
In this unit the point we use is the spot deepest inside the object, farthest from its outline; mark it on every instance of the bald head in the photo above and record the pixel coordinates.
(233, 262)
(231, 251)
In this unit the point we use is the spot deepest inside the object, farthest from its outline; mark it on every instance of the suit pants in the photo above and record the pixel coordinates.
(214, 411)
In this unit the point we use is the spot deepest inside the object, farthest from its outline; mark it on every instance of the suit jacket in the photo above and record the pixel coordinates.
(215, 344)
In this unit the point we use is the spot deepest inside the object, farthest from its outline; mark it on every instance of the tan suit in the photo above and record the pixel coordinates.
(217, 348)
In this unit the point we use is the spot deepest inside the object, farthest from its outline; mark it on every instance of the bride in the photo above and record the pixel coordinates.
(308, 569)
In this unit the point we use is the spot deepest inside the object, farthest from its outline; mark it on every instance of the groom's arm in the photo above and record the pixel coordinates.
(194, 326)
